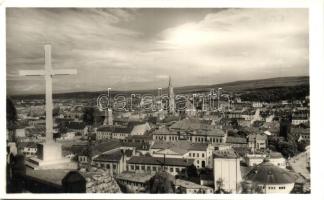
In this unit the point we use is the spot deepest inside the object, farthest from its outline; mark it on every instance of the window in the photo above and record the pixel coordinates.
(154, 169)
(108, 166)
(148, 168)
(177, 169)
(143, 167)
(171, 169)
(132, 167)
(197, 155)
(197, 161)
(114, 166)
(193, 155)
(137, 167)
(189, 154)
(203, 155)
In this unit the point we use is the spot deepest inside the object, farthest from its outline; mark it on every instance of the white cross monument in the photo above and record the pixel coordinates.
(49, 154)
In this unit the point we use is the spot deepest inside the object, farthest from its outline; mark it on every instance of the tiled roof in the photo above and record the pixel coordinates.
(97, 148)
(75, 125)
(162, 131)
(236, 140)
(159, 161)
(257, 137)
(212, 132)
(267, 173)
(114, 156)
(190, 124)
(185, 145)
(135, 177)
(227, 153)
(105, 128)
(115, 129)
(190, 185)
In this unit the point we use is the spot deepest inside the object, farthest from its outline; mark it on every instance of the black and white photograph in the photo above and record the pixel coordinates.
(157, 100)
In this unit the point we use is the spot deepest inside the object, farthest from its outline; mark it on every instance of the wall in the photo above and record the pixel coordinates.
(228, 170)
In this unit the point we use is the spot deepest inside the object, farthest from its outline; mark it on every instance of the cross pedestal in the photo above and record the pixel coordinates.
(49, 153)
(49, 156)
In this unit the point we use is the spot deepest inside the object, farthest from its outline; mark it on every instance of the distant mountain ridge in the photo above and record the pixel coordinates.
(236, 86)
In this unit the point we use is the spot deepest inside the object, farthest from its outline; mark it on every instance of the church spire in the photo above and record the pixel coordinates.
(171, 98)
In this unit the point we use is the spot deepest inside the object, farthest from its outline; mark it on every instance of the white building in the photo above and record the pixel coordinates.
(268, 178)
(189, 187)
(275, 158)
(297, 121)
(140, 129)
(257, 104)
(20, 132)
(227, 172)
(201, 153)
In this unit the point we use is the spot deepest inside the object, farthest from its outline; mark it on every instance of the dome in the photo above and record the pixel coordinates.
(267, 173)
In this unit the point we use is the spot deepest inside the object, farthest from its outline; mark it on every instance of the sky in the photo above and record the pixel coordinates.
(130, 49)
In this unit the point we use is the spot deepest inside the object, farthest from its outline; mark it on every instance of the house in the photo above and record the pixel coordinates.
(188, 187)
(20, 132)
(113, 132)
(275, 158)
(104, 132)
(82, 151)
(140, 129)
(201, 153)
(134, 182)
(299, 120)
(269, 178)
(29, 148)
(148, 164)
(303, 134)
(236, 141)
(191, 130)
(257, 142)
(78, 127)
(227, 172)
(256, 104)
(114, 161)
(68, 136)
(121, 132)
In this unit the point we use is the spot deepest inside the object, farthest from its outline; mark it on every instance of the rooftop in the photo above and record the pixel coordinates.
(185, 145)
(236, 140)
(226, 153)
(190, 185)
(135, 177)
(190, 124)
(267, 173)
(160, 161)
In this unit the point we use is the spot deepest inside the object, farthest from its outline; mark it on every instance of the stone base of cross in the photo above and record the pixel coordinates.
(49, 154)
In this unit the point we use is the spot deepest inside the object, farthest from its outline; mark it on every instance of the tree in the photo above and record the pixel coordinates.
(88, 116)
(89, 119)
(56, 111)
(219, 185)
(301, 146)
(287, 149)
(161, 182)
(192, 171)
(11, 120)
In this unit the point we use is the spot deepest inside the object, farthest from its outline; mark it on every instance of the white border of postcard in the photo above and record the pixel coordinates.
(316, 68)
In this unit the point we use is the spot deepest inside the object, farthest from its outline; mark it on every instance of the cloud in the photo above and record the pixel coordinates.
(222, 46)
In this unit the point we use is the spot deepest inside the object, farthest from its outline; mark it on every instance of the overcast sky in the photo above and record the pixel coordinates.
(139, 48)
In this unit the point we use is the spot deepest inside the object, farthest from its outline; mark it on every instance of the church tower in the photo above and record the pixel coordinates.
(171, 98)
(108, 117)
(108, 112)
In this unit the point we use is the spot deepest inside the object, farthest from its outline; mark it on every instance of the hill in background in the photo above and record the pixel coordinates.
(272, 89)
